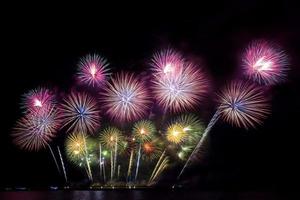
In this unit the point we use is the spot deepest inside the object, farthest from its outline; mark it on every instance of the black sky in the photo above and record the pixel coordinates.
(41, 46)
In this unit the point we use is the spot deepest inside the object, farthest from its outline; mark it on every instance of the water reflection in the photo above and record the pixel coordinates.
(133, 195)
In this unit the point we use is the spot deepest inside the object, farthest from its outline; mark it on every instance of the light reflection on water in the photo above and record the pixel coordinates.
(133, 195)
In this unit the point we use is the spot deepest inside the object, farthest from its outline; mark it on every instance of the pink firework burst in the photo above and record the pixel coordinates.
(38, 100)
(243, 105)
(167, 63)
(181, 91)
(36, 129)
(126, 98)
(265, 63)
(80, 113)
(93, 70)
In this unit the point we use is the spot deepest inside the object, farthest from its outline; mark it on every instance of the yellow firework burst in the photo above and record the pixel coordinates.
(176, 133)
(143, 130)
(110, 136)
(75, 146)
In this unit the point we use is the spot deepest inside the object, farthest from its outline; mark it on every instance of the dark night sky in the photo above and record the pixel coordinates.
(42, 48)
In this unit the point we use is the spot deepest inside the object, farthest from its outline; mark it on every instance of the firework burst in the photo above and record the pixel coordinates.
(110, 136)
(80, 113)
(126, 98)
(143, 130)
(151, 150)
(185, 131)
(243, 105)
(93, 70)
(75, 146)
(167, 63)
(182, 90)
(76, 150)
(36, 129)
(38, 100)
(265, 63)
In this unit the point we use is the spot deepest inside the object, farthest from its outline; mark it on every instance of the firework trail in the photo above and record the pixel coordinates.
(54, 158)
(163, 165)
(80, 113)
(126, 98)
(143, 131)
(62, 164)
(119, 169)
(240, 104)
(38, 100)
(100, 160)
(130, 165)
(177, 85)
(265, 63)
(138, 162)
(115, 154)
(161, 158)
(192, 156)
(112, 139)
(93, 70)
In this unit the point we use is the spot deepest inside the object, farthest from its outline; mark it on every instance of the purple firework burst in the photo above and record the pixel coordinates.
(93, 70)
(80, 113)
(36, 129)
(182, 90)
(243, 104)
(265, 63)
(126, 98)
(38, 100)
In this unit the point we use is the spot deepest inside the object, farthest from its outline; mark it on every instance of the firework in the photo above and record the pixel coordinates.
(126, 98)
(182, 91)
(143, 130)
(176, 133)
(161, 164)
(243, 105)
(75, 147)
(167, 63)
(112, 139)
(38, 100)
(80, 113)
(93, 70)
(265, 63)
(151, 150)
(62, 164)
(79, 150)
(36, 129)
(109, 136)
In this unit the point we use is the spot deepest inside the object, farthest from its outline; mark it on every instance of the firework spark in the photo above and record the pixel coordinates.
(126, 98)
(265, 63)
(181, 90)
(36, 129)
(80, 113)
(243, 105)
(143, 130)
(93, 70)
(38, 100)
